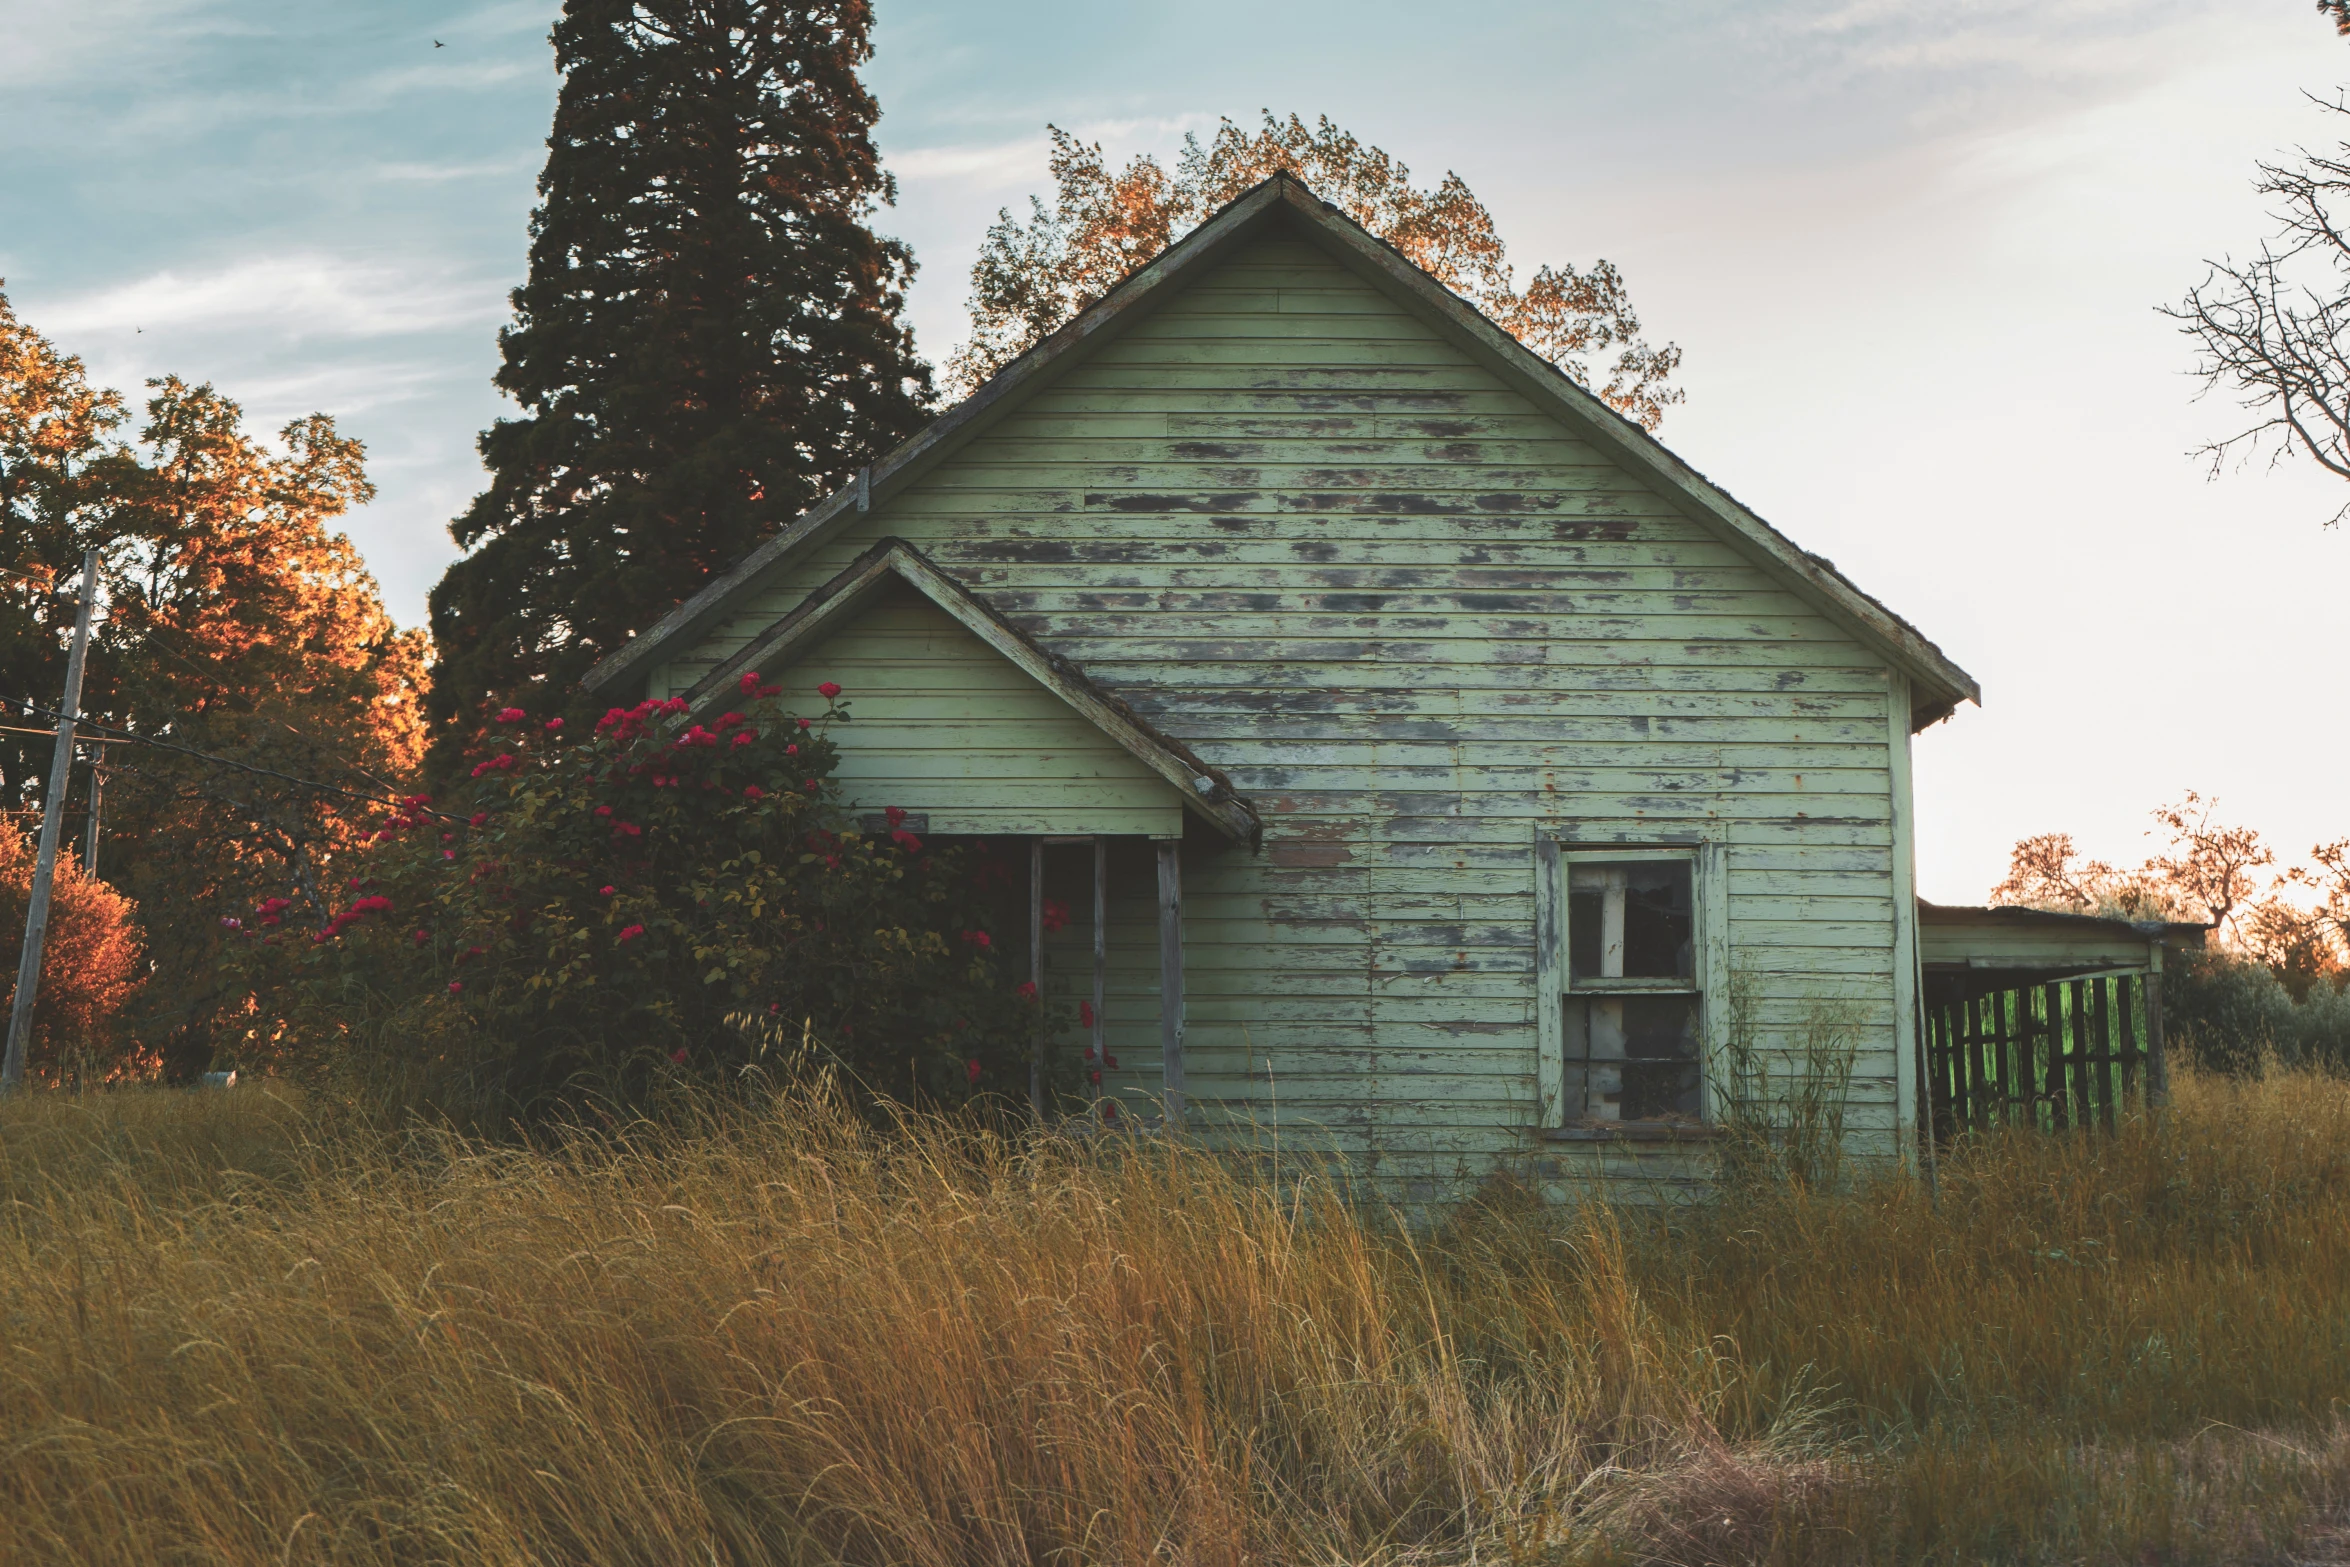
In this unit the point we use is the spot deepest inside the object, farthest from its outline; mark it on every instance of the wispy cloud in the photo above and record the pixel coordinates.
(443, 173)
(293, 296)
(989, 167)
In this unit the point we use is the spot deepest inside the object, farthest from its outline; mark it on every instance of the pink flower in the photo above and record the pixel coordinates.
(630, 933)
(448, 854)
(456, 985)
(906, 841)
(603, 892)
(749, 684)
(810, 786)
(423, 936)
(554, 725)
(791, 750)
(828, 690)
(745, 738)
(677, 1056)
(753, 792)
(626, 830)
(1025, 990)
(727, 721)
(1085, 1013)
(511, 715)
(972, 1067)
(803, 723)
(978, 938)
(603, 810)
(478, 818)
(896, 815)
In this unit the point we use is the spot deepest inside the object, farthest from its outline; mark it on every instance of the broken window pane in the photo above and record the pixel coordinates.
(1632, 920)
(1632, 1058)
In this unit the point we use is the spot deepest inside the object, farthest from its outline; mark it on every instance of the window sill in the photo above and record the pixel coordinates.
(1631, 1132)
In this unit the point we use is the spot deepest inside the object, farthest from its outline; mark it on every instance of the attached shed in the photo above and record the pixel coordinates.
(1439, 754)
(2041, 1018)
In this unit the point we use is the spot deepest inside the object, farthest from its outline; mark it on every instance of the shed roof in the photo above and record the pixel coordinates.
(1206, 791)
(2035, 944)
(1938, 684)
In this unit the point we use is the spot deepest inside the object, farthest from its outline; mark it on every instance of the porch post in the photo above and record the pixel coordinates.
(1101, 955)
(2157, 1067)
(1171, 979)
(1036, 975)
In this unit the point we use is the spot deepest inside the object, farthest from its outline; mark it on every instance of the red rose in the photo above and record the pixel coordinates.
(456, 985)
(631, 932)
(972, 1067)
(478, 818)
(753, 792)
(1085, 1013)
(1025, 990)
(554, 725)
(749, 684)
(678, 1055)
(603, 892)
(511, 715)
(828, 690)
(896, 815)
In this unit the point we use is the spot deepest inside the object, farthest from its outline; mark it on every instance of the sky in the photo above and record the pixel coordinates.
(1912, 254)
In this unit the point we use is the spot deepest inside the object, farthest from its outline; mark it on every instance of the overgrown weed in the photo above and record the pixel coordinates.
(242, 1329)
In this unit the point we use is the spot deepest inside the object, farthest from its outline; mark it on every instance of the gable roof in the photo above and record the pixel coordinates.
(1937, 684)
(1205, 791)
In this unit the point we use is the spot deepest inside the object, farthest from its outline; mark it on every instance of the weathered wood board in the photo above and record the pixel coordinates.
(943, 725)
(1421, 623)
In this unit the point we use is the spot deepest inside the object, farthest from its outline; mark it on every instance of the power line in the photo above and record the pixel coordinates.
(128, 737)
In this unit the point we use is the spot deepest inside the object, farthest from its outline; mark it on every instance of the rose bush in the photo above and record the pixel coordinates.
(661, 895)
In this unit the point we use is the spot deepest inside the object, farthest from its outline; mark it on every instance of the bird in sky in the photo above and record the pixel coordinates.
(437, 44)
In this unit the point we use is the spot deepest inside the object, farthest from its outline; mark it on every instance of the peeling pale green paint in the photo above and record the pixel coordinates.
(1420, 622)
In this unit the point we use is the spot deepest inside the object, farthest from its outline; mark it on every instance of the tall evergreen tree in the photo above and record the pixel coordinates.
(709, 340)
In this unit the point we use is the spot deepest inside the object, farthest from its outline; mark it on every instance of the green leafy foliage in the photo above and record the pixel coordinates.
(662, 896)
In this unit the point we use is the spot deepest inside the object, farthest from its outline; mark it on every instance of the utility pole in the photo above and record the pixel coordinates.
(97, 794)
(36, 920)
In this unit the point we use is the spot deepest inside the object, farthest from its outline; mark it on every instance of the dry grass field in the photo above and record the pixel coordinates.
(235, 1330)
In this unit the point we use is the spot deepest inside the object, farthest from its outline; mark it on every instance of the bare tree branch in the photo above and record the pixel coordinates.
(2270, 330)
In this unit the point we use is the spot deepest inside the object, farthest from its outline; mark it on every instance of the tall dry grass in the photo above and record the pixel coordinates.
(235, 1330)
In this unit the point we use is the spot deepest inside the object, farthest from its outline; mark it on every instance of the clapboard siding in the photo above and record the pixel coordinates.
(1419, 622)
(943, 724)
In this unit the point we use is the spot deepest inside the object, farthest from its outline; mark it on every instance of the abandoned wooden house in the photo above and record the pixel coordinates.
(1432, 761)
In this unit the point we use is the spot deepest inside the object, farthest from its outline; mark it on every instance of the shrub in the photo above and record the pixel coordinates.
(659, 897)
(90, 967)
(2230, 1013)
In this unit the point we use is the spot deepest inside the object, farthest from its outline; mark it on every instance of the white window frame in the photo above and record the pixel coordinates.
(1709, 961)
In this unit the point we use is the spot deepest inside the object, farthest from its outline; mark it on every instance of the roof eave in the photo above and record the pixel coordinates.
(1205, 790)
(1144, 289)
(1944, 684)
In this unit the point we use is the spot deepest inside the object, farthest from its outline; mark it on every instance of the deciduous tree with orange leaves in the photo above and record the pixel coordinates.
(236, 622)
(91, 968)
(1104, 223)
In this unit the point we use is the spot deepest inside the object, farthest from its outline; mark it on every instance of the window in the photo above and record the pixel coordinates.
(1631, 1033)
